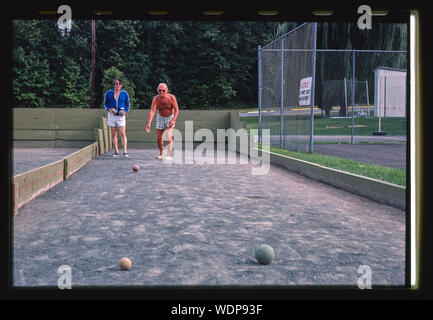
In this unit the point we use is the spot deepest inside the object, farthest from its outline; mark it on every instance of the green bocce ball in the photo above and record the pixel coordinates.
(265, 254)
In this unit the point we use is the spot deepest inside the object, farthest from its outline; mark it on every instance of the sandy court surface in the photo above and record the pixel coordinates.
(191, 224)
(25, 159)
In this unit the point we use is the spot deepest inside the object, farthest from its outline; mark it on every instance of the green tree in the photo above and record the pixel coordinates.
(75, 93)
(30, 80)
(205, 64)
(50, 69)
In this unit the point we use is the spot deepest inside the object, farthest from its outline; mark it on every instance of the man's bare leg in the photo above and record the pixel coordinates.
(160, 141)
(169, 137)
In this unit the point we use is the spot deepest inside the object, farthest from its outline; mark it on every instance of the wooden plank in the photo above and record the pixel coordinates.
(206, 115)
(74, 135)
(110, 138)
(103, 126)
(180, 125)
(135, 114)
(36, 122)
(95, 149)
(62, 122)
(78, 113)
(100, 140)
(35, 144)
(136, 124)
(141, 135)
(14, 190)
(200, 115)
(77, 126)
(235, 121)
(59, 113)
(76, 160)
(37, 181)
(24, 134)
(74, 122)
(28, 113)
(71, 118)
(72, 143)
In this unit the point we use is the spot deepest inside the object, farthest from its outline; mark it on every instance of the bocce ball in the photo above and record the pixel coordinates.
(125, 263)
(265, 254)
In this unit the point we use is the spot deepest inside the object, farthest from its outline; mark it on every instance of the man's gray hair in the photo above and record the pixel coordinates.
(161, 84)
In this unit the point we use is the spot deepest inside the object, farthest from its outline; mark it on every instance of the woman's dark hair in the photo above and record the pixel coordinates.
(117, 79)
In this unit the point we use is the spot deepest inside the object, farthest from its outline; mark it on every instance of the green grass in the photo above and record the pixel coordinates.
(382, 173)
(331, 126)
(359, 142)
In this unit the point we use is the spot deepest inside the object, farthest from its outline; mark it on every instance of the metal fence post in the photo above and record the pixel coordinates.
(384, 97)
(368, 100)
(282, 95)
(313, 84)
(259, 87)
(345, 97)
(353, 94)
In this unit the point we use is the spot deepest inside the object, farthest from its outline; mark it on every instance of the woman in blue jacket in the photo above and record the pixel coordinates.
(117, 104)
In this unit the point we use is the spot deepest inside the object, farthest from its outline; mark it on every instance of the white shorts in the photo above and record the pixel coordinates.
(116, 121)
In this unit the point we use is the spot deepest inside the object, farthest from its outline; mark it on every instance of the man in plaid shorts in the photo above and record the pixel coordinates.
(168, 111)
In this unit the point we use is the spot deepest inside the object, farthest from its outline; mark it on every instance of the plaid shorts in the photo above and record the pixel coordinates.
(163, 122)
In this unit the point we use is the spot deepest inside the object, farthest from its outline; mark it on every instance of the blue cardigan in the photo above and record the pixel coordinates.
(122, 102)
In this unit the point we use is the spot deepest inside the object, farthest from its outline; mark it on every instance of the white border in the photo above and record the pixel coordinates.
(413, 220)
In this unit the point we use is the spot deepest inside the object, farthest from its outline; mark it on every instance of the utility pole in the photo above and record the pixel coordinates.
(92, 76)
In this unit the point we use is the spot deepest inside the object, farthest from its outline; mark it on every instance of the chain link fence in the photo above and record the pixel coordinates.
(284, 63)
(308, 94)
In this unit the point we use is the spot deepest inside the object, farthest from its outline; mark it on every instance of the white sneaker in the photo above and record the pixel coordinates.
(159, 157)
(168, 158)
